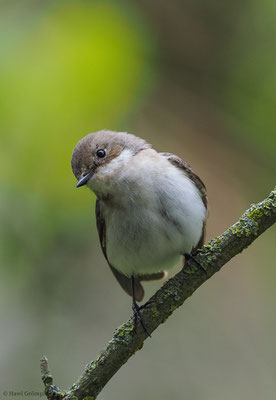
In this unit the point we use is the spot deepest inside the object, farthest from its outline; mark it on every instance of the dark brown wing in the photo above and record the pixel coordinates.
(179, 163)
(123, 280)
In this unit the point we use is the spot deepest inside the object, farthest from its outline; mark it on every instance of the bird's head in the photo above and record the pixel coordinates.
(98, 156)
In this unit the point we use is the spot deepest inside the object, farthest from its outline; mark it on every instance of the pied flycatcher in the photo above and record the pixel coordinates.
(151, 207)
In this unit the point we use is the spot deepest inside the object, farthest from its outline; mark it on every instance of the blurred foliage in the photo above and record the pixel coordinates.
(251, 87)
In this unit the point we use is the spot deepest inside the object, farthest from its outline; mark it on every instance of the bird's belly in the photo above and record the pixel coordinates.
(146, 241)
(142, 255)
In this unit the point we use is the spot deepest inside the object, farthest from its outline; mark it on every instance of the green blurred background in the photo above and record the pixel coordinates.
(194, 78)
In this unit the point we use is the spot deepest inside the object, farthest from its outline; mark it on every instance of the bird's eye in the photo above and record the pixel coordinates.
(101, 153)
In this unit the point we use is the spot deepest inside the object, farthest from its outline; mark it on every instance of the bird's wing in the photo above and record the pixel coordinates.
(123, 280)
(179, 163)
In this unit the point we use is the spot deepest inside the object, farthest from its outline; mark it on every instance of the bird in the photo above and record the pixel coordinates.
(151, 208)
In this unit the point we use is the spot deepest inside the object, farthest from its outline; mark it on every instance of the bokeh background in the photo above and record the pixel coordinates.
(194, 78)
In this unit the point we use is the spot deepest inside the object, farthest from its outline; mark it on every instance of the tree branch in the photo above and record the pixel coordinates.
(125, 342)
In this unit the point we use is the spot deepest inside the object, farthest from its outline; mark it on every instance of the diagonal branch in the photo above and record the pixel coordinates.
(125, 342)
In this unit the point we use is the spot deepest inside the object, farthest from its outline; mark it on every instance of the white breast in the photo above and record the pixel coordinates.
(157, 214)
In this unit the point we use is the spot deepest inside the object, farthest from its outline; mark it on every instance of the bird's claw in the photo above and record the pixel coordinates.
(137, 316)
(191, 256)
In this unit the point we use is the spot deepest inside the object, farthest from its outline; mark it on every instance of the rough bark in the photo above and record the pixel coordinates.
(125, 342)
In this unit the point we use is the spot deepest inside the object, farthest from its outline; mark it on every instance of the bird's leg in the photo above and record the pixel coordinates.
(136, 310)
(191, 256)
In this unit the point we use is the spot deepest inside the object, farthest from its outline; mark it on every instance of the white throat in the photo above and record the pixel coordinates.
(107, 179)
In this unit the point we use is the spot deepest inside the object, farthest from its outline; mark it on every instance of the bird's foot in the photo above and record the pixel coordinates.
(137, 316)
(192, 256)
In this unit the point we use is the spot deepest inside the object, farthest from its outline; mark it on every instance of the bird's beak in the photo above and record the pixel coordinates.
(83, 180)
